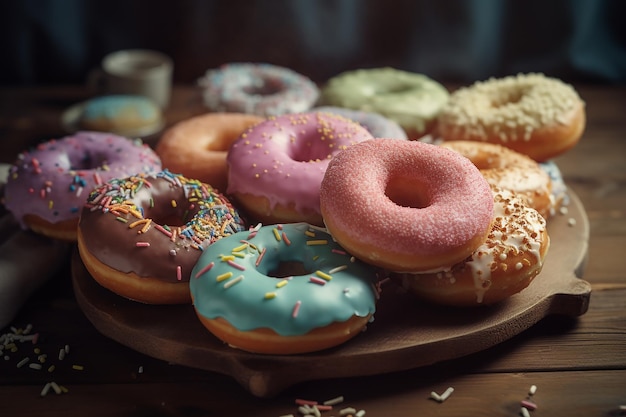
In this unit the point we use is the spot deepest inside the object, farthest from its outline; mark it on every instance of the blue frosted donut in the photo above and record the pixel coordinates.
(559, 189)
(378, 125)
(238, 299)
(261, 89)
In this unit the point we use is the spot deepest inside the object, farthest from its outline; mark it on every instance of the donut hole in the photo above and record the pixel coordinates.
(164, 214)
(87, 161)
(267, 88)
(396, 88)
(289, 269)
(307, 148)
(171, 220)
(487, 161)
(507, 98)
(408, 192)
(221, 143)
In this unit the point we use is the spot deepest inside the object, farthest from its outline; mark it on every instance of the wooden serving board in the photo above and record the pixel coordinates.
(406, 334)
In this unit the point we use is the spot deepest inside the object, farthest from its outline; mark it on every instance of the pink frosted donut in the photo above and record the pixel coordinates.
(48, 185)
(405, 205)
(276, 166)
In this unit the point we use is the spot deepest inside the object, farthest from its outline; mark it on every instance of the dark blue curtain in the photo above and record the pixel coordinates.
(59, 41)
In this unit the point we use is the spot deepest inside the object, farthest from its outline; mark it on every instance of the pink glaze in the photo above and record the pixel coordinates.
(446, 200)
(53, 180)
(284, 158)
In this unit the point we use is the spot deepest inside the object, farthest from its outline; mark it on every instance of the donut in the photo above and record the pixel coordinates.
(507, 262)
(410, 99)
(276, 167)
(122, 114)
(140, 236)
(560, 198)
(406, 205)
(257, 88)
(48, 185)
(197, 147)
(511, 170)
(538, 116)
(241, 299)
(378, 125)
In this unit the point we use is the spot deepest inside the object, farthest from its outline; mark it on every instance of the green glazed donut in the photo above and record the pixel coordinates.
(411, 100)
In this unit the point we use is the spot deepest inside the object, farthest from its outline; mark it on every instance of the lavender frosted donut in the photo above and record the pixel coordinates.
(261, 89)
(276, 166)
(378, 125)
(48, 185)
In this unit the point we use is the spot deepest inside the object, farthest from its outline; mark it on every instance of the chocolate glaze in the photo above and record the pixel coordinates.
(200, 216)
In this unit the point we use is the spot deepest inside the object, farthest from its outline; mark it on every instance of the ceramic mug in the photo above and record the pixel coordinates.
(135, 72)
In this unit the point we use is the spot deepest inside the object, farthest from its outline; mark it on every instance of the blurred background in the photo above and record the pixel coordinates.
(59, 41)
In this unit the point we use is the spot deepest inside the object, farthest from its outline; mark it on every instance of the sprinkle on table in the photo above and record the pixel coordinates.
(334, 401)
(442, 397)
(529, 405)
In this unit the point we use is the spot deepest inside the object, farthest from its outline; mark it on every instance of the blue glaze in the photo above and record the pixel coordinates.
(559, 189)
(110, 107)
(244, 304)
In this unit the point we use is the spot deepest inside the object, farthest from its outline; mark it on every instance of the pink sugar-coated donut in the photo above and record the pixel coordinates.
(276, 167)
(406, 205)
(48, 185)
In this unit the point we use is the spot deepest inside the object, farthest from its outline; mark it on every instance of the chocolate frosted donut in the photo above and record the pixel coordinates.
(140, 236)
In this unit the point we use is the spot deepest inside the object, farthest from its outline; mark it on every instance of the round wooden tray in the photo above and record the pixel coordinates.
(406, 334)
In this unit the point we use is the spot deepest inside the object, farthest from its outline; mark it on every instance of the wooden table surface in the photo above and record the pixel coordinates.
(577, 364)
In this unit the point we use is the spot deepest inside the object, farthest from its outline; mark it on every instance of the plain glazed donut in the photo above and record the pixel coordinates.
(276, 167)
(197, 147)
(506, 263)
(505, 168)
(141, 236)
(406, 205)
(530, 113)
(241, 301)
(378, 125)
(257, 88)
(412, 100)
(47, 186)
